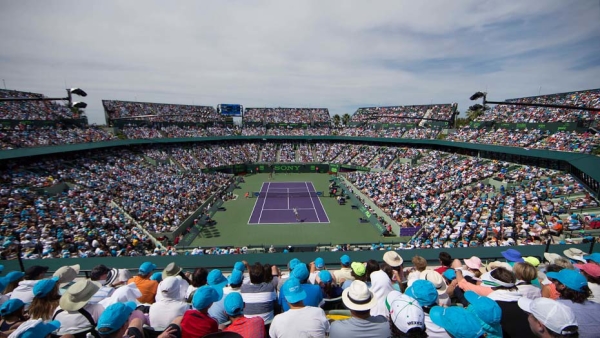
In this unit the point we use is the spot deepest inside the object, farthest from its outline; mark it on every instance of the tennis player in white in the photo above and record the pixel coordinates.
(296, 214)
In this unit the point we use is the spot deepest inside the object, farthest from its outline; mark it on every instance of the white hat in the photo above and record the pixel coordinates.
(358, 297)
(405, 311)
(575, 254)
(435, 278)
(67, 274)
(392, 258)
(552, 314)
(551, 257)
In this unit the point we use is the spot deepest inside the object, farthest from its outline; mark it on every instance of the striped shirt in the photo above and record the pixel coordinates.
(259, 300)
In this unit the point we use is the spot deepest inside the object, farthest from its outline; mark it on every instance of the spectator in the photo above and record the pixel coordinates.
(246, 327)
(24, 291)
(46, 299)
(457, 321)
(196, 322)
(147, 286)
(575, 293)
(591, 272)
(314, 295)
(300, 320)
(445, 261)
(549, 318)
(170, 306)
(345, 272)
(198, 280)
(75, 313)
(525, 274)
(487, 311)
(259, 297)
(35, 328)
(381, 286)
(13, 315)
(107, 278)
(66, 276)
(328, 287)
(217, 281)
(406, 316)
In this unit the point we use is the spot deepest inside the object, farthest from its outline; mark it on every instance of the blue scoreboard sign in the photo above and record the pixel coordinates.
(230, 109)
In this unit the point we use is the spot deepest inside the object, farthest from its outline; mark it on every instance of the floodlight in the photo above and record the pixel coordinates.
(477, 96)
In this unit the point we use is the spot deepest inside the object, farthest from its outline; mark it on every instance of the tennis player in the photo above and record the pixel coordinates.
(296, 214)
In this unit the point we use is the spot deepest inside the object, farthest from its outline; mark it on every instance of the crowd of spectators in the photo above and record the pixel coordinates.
(160, 112)
(27, 135)
(287, 115)
(287, 152)
(421, 133)
(268, 152)
(516, 114)
(139, 132)
(32, 110)
(573, 141)
(403, 114)
(504, 137)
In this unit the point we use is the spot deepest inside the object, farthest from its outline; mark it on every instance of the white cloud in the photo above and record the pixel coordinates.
(335, 54)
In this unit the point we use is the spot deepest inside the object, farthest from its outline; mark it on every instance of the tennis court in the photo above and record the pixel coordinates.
(276, 201)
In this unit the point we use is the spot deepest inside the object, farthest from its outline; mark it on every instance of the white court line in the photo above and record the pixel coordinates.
(320, 203)
(311, 201)
(288, 197)
(255, 203)
(262, 208)
(288, 209)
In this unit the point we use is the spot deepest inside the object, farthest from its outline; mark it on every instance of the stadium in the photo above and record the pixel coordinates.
(169, 219)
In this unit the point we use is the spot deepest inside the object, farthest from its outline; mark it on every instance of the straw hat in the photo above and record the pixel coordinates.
(78, 295)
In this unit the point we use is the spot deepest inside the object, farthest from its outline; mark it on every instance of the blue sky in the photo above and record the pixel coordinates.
(335, 54)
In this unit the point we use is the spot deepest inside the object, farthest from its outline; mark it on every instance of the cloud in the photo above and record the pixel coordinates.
(335, 54)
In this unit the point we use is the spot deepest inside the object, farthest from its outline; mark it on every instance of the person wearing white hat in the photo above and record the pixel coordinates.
(575, 254)
(170, 306)
(439, 283)
(406, 316)
(75, 313)
(549, 318)
(360, 300)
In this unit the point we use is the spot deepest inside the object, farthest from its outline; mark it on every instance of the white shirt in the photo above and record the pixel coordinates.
(595, 292)
(529, 291)
(305, 322)
(75, 322)
(24, 292)
(163, 312)
(433, 330)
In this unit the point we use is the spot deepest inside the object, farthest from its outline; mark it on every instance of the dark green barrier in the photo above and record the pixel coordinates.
(287, 125)
(226, 262)
(288, 168)
(550, 126)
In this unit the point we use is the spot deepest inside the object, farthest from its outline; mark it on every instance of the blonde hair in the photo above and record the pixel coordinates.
(525, 271)
(419, 262)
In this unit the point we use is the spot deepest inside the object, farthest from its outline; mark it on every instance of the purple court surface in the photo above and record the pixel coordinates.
(277, 201)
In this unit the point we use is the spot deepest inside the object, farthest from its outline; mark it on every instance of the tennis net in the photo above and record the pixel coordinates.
(285, 194)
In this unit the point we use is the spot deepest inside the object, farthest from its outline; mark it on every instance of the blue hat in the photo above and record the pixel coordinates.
(1, 267)
(456, 321)
(345, 260)
(114, 317)
(300, 272)
(236, 277)
(157, 276)
(319, 263)
(293, 291)
(204, 297)
(513, 255)
(423, 291)
(240, 266)
(14, 276)
(40, 329)
(10, 306)
(595, 257)
(570, 278)
(325, 276)
(146, 268)
(450, 274)
(487, 311)
(293, 262)
(234, 304)
(217, 280)
(44, 286)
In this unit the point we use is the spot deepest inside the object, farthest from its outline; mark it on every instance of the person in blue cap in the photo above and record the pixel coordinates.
(593, 258)
(197, 323)
(426, 294)
(146, 286)
(300, 320)
(259, 296)
(13, 315)
(575, 293)
(314, 295)
(246, 327)
(488, 313)
(35, 328)
(46, 299)
(345, 271)
(457, 321)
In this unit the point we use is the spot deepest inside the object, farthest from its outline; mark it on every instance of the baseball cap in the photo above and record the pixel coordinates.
(570, 278)
(532, 260)
(147, 267)
(234, 304)
(595, 257)
(319, 263)
(240, 266)
(36, 328)
(236, 277)
(423, 291)
(10, 306)
(345, 260)
(14, 276)
(204, 297)
(157, 276)
(512, 255)
(554, 315)
(293, 262)
(487, 311)
(300, 272)
(590, 268)
(457, 321)
(450, 274)
(217, 280)
(293, 291)
(358, 268)
(114, 317)
(405, 311)
(392, 258)
(44, 286)
(325, 276)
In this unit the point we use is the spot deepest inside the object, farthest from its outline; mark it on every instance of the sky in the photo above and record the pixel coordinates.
(339, 55)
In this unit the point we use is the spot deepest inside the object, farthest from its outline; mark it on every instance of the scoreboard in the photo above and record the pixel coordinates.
(230, 109)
